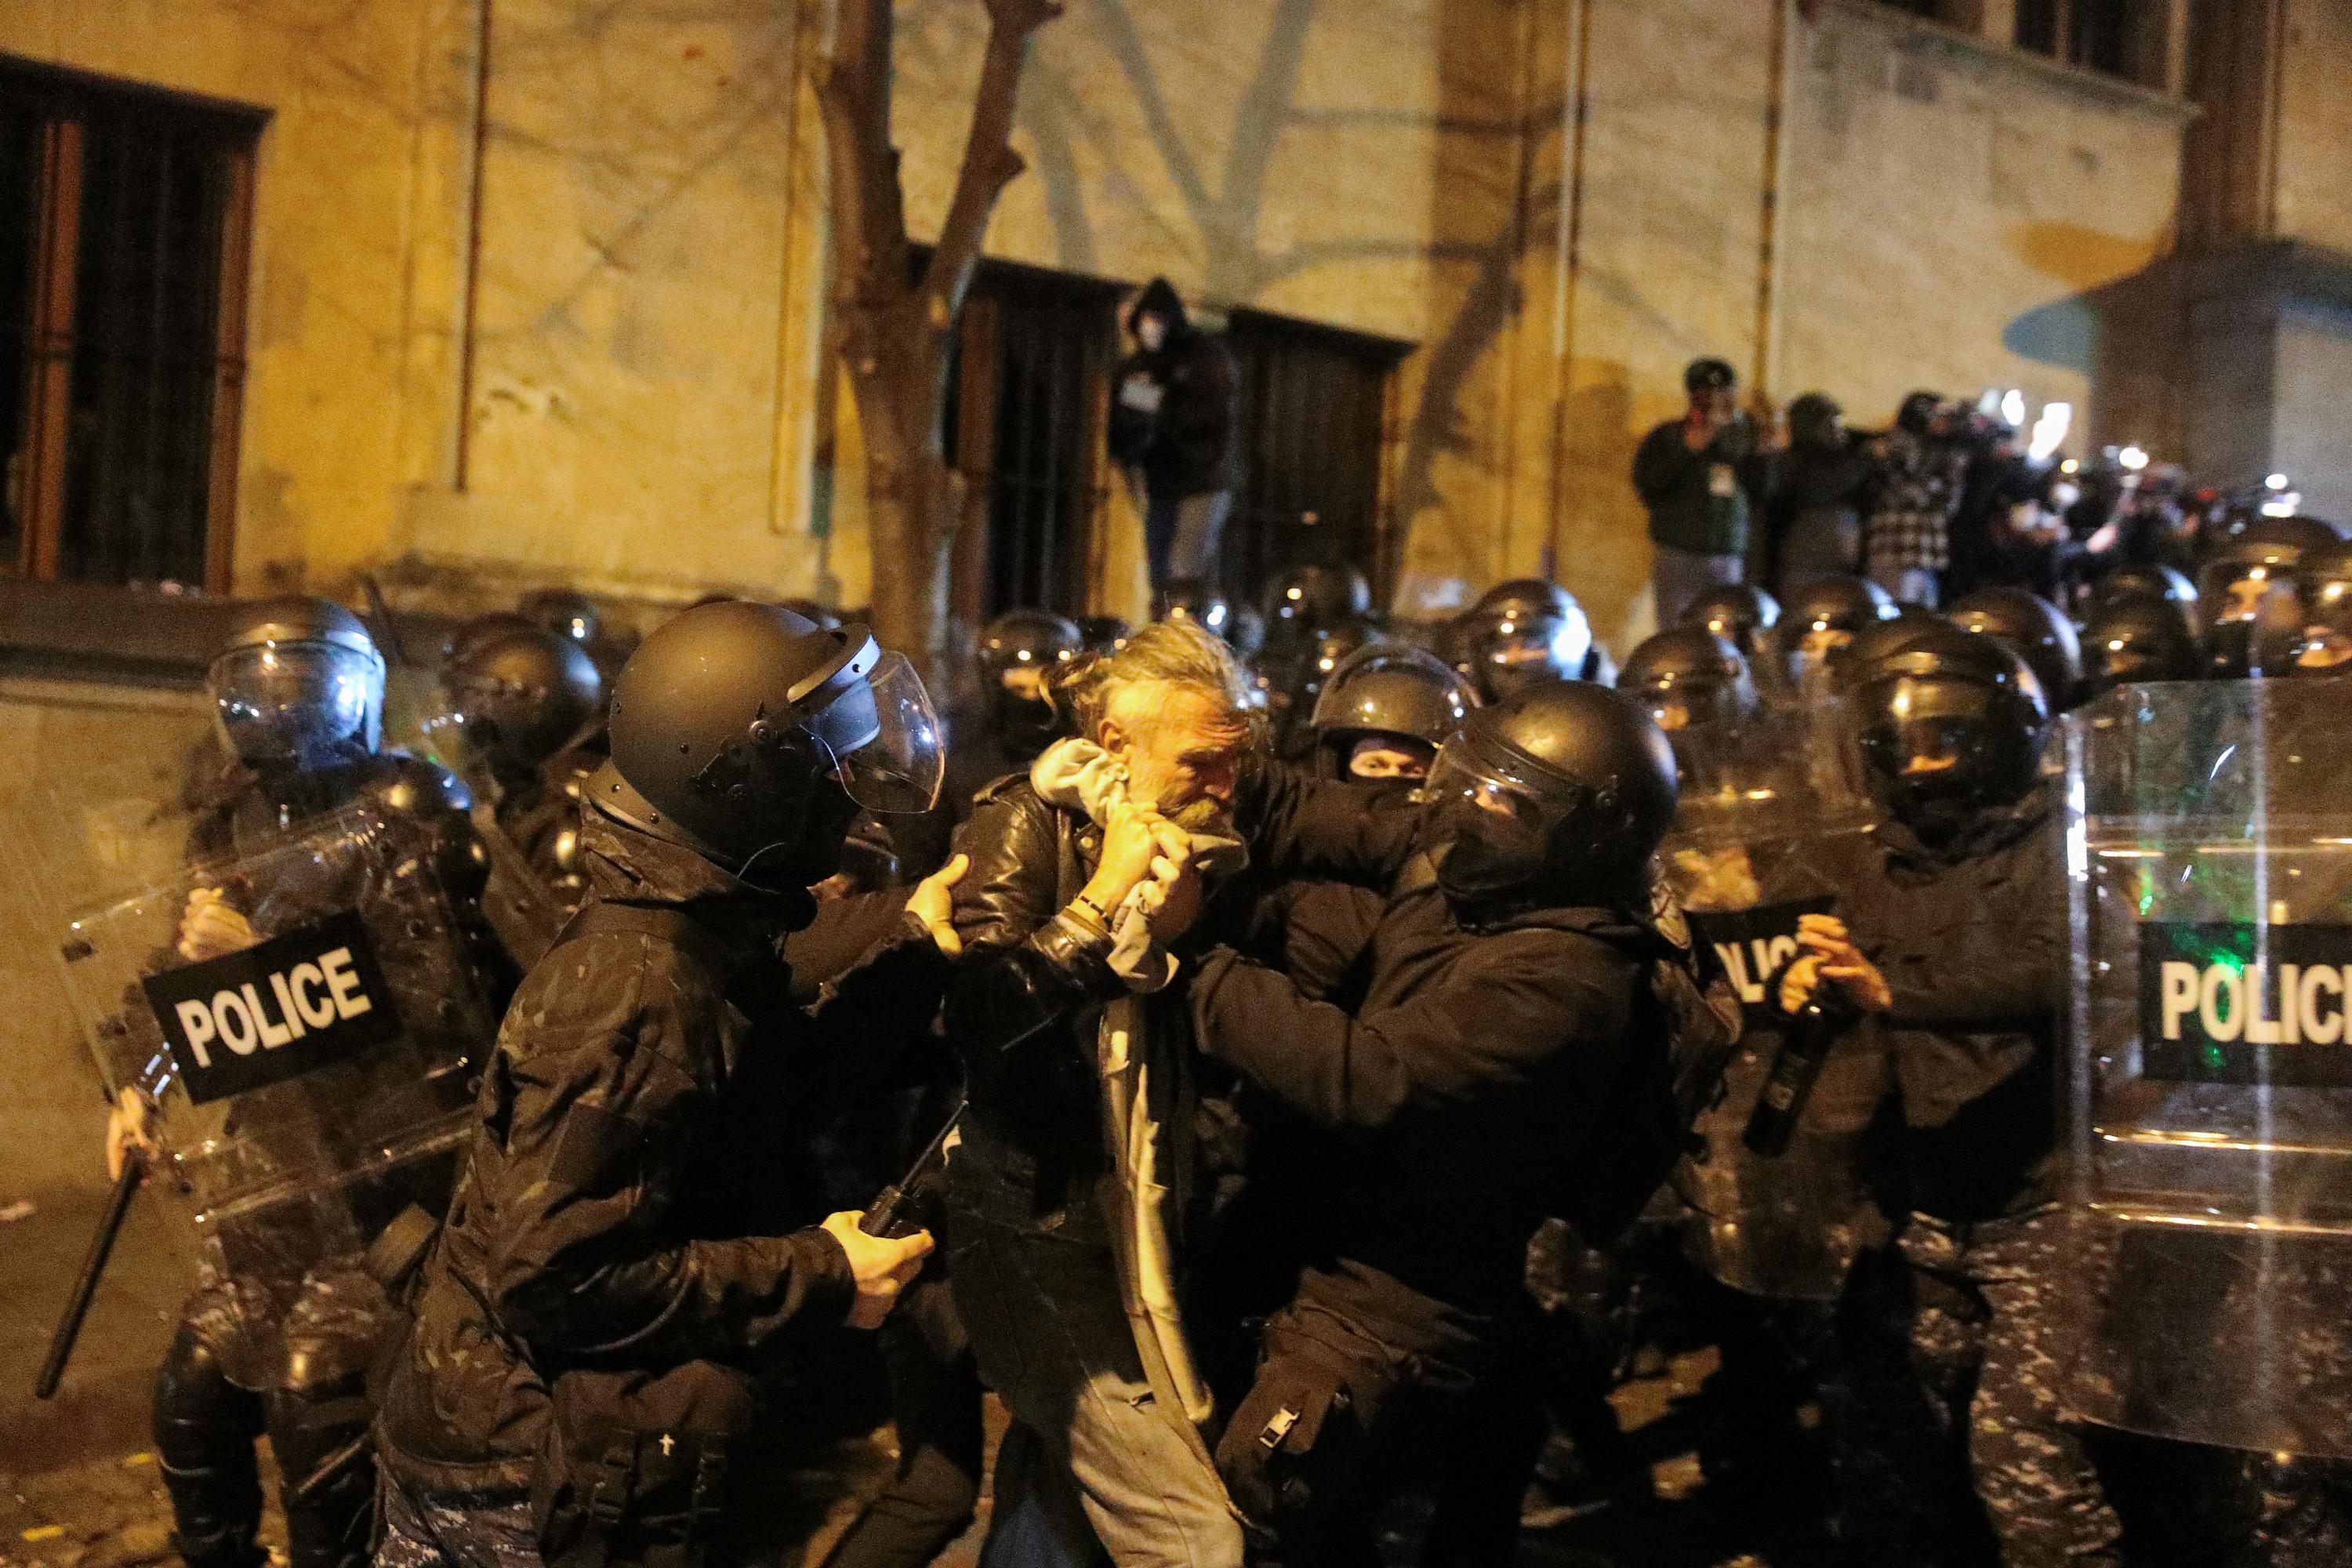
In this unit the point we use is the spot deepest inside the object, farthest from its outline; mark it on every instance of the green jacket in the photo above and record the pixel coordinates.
(1689, 509)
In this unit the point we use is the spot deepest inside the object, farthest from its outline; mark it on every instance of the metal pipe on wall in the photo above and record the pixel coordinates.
(1567, 263)
(461, 449)
(1772, 228)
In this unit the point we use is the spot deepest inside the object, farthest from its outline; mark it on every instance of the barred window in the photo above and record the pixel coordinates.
(124, 220)
(1314, 416)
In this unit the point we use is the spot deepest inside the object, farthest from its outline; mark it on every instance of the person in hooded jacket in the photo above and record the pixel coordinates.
(1173, 427)
(1955, 938)
(610, 1277)
(1503, 1055)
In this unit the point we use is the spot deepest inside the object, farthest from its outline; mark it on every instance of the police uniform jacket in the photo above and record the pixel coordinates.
(1972, 941)
(1482, 1075)
(609, 1214)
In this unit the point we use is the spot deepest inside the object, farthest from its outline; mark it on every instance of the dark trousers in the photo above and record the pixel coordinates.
(206, 1427)
(935, 1401)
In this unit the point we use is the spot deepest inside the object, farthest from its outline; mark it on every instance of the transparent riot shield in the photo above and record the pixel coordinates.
(2210, 1068)
(302, 1023)
(1772, 823)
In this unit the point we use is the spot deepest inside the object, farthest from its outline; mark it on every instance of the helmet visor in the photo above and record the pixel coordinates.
(885, 740)
(1489, 828)
(306, 703)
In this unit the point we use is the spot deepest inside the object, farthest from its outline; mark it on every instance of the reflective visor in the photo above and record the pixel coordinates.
(297, 701)
(885, 739)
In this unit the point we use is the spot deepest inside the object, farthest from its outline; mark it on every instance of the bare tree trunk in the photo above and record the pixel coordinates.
(894, 326)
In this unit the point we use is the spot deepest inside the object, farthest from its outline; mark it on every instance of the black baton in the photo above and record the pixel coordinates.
(892, 1212)
(61, 1343)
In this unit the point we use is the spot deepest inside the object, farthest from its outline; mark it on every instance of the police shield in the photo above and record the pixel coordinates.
(2211, 1066)
(302, 1022)
(1770, 819)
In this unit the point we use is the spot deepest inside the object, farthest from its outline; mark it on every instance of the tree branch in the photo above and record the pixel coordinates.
(854, 95)
(989, 164)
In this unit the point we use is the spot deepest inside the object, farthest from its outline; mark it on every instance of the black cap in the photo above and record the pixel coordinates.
(1709, 375)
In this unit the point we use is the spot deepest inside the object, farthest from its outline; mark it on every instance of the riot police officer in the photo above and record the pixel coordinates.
(2129, 638)
(266, 1344)
(1021, 651)
(1308, 600)
(1020, 658)
(2032, 627)
(1384, 712)
(2327, 641)
(2250, 598)
(2140, 580)
(1820, 621)
(1293, 680)
(611, 1266)
(1505, 1060)
(1687, 675)
(521, 696)
(1198, 600)
(1522, 632)
(1952, 931)
(1741, 613)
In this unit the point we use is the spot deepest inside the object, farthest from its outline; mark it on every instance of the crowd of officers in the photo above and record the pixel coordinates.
(1325, 1071)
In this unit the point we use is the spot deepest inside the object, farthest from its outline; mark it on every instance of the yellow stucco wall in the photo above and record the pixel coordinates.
(643, 414)
(2314, 175)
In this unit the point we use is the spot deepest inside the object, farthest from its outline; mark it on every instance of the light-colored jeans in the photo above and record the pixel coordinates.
(1181, 534)
(1678, 576)
(1052, 1337)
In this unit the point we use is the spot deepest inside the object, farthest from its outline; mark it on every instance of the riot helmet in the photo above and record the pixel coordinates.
(523, 696)
(565, 612)
(1197, 600)
(2249, 597)
(1950, 726)
(2141, 580)
(298, 685)
(1687, 675)
(1821, 619)
(1876, 638)
(1558, 793)
(2326, 646)
(1385, 711)
(810, 610)
(1739, 613)
(2130, 639)
(1020, 651)
(2034, 629)
(1103, 634)
(751, 736)
(1528, 596)
(484, 629)
(1309, 599)
(1523, 632)
(2242, 524)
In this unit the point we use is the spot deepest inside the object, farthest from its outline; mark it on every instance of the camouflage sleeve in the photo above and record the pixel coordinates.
(609, 1083)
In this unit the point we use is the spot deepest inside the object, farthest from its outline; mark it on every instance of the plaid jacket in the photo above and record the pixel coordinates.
(1909, 525)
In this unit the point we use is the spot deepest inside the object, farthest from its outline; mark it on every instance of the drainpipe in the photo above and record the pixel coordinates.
(1567, 263)
(1772, 228)
(462, 447)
